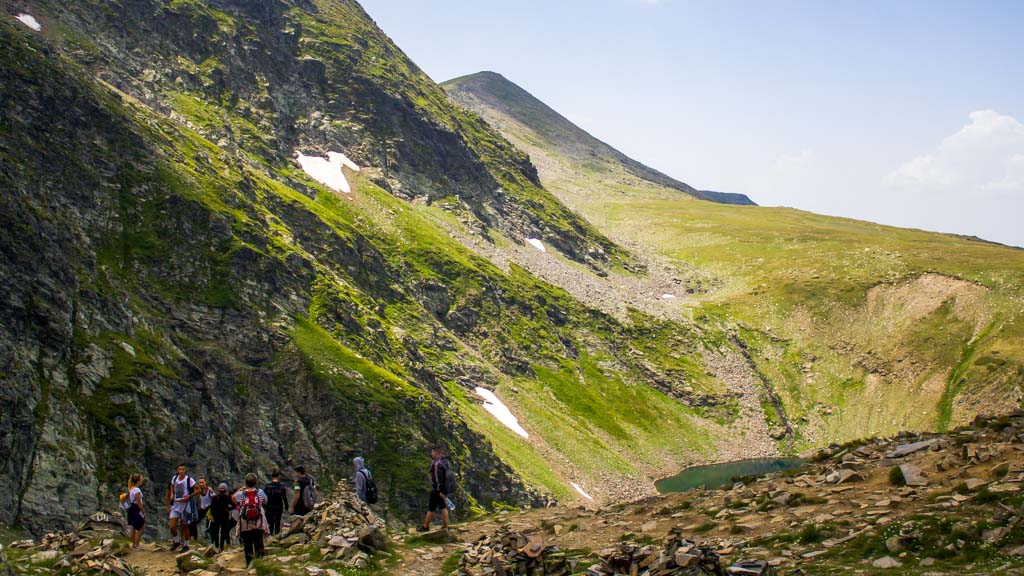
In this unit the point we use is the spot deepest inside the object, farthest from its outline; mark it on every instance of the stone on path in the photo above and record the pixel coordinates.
(886, 562)
(908, 449)
(913, 475)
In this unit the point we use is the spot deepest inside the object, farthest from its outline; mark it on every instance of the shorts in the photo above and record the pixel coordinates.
(178, 510)
(436, 502)
(135, 518)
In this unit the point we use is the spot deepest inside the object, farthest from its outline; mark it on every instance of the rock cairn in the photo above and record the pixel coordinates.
(76, 554)
(677, 556)
(344, 524)
(508, 553)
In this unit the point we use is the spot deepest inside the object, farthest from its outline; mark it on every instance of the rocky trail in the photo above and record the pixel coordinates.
(914, 504)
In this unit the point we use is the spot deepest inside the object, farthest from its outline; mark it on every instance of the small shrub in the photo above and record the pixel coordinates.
(896, 476)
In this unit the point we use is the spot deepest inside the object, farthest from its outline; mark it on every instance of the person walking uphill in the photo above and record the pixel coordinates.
(277, 501)
(442, 483)
(306, 495)
(221, 506)
(178, 498)
(366, 488)
(136, 512)
(252, 522)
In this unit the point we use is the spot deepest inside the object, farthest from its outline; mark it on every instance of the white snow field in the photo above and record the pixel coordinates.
(328, 171)
(580, 490)
(498, 409)
(536, 244)
(30, 21)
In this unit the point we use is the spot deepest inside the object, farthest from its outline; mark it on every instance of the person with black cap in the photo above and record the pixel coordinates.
(221, 506)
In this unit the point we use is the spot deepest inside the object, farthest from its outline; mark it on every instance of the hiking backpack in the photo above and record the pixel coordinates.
(251, 506)
(275, 494)
(371, 489)
(310, 496)
(449, 480)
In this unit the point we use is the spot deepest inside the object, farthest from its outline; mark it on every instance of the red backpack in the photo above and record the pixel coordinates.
(251, 506)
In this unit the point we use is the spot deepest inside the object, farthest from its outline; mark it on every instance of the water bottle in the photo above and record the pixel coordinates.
(449, 504)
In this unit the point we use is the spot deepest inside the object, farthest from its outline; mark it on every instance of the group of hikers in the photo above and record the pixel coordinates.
(251, 512)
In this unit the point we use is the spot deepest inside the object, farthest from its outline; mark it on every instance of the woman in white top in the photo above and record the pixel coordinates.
(136, 513)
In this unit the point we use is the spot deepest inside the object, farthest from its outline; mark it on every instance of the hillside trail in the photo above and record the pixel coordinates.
(156, 560)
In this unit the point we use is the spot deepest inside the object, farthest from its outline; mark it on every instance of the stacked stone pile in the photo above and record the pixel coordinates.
(344, 524)
(75, 551)
(678, 556)
(508, 553)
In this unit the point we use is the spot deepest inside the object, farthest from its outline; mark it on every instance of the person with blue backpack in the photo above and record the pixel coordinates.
(442, 485)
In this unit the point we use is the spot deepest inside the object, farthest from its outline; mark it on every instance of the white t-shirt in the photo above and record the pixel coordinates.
(135, 496)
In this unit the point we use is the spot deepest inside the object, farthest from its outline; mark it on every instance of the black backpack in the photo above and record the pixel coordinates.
(275, 495)
(371, 489)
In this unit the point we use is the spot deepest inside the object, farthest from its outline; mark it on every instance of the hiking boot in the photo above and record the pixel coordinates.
(422, 529)
(185, 548)
(174, 546)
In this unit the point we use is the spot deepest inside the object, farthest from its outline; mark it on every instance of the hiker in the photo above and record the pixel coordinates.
(136, 512)
(178, 499)
(201, 502)
(252, 522)
(442, 483)
(305, 492)
(366, 488)
(277, 501)
(221, 506)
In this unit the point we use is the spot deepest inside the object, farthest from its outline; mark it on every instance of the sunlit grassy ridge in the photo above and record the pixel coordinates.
(861, 328)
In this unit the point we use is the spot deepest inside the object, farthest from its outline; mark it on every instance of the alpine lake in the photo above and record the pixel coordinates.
(712, 476)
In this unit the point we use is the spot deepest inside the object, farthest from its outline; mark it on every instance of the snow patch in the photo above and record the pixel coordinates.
(328, 171)
(30, 21)
(536, 244)
(580, 490)
(498, 409)
(667, 296)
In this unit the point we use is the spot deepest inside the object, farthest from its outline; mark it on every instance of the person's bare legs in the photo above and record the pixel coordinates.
(173, 524)
(444, 517)
(430, 518)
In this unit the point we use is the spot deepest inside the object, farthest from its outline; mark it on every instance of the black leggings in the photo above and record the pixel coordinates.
(274, 520)
(252, 541)
(220, 534)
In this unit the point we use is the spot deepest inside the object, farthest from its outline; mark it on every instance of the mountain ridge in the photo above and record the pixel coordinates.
(496, 90)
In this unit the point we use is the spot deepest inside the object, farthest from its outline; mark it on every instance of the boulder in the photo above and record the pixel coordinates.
(886, 562)
(912, 475)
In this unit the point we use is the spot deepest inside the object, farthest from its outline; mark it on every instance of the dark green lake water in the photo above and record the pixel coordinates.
(714, 476)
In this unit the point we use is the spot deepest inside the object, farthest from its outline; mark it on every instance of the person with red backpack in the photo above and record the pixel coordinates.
(252, 522)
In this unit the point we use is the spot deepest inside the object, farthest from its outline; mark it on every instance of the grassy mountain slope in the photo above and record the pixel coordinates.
(180, 290)
(860, 329)
(489, 91)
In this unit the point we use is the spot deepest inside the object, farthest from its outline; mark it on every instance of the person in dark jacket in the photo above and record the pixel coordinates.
(439, 472)
(277, 501)
(221, 506)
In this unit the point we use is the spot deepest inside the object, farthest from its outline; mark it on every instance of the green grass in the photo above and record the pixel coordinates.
(796, 284)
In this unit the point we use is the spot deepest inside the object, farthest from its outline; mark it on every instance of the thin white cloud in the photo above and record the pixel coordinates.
(789, 163)
(986, 156)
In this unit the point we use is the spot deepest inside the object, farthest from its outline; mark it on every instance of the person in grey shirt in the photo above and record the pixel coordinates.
(363, 474)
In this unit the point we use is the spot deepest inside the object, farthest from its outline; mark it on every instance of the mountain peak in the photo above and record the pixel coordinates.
(488, 93)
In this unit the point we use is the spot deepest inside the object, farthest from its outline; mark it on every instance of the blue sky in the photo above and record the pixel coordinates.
(906, 113)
